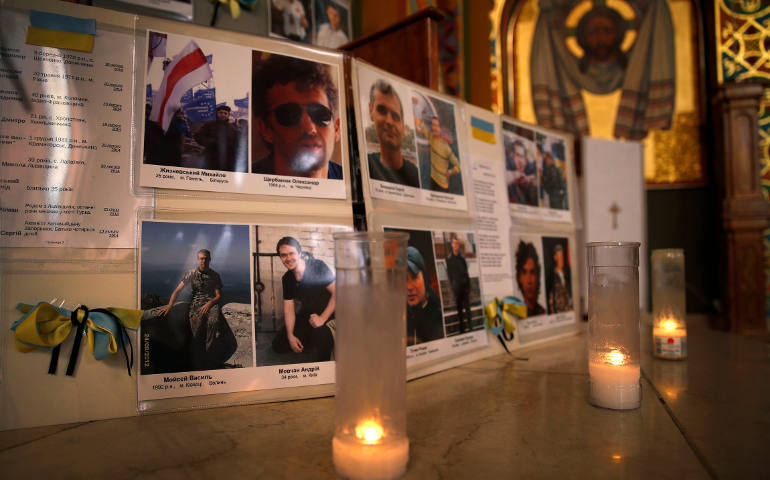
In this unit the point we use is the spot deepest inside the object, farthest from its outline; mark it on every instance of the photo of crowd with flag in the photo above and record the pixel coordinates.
(181, 82)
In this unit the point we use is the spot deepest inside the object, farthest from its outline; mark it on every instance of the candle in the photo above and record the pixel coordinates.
(371, 454)
(614, 381)
(670, 339)
(370, 440)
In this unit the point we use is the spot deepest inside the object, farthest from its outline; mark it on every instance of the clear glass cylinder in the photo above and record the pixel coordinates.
(370, 440)
(613, 325)
(669, 309)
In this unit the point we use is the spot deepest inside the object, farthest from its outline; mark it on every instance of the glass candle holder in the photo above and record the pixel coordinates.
(613, 325)
(669, 328)
(370, 440)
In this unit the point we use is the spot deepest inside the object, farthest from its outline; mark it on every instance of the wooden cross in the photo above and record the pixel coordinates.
(614, 210)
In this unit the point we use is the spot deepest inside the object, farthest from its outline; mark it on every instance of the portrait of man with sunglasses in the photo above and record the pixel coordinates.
(295, 107)
(387, 114)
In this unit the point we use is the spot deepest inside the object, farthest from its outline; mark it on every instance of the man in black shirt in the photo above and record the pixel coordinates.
(460, 281)
(387, 114)
(308, 302)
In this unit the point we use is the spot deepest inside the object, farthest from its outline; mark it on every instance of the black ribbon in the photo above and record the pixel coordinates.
(75, 346)
(122, 336)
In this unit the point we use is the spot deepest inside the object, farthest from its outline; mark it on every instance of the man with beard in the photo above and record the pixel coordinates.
(387, 114)
(219, 138)
(294, 104)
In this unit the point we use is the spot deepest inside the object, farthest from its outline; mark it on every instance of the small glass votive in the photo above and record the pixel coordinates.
(370, 440)
(613, 325)
(669, 327)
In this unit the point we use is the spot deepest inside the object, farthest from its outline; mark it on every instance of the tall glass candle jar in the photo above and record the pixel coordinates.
(669, 328)
(370, 440)
(613, 324)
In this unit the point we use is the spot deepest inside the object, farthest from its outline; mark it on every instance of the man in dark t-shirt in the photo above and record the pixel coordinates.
(423, 309)
(387, 114)
(308, 303)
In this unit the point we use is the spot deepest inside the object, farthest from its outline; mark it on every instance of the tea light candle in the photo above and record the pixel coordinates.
(371, 455)
(614, 382)
(670, 339)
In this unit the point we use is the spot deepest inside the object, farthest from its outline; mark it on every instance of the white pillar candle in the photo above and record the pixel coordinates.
(614, 382)
(370, 460)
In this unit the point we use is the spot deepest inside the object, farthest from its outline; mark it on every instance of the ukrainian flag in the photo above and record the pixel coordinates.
(483, 130)
(61, 31)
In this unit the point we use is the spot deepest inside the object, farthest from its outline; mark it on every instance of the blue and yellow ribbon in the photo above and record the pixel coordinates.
(45, 327)
(500, 315)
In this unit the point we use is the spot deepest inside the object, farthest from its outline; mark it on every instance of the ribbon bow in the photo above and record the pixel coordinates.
(499, 315)
(45, 327)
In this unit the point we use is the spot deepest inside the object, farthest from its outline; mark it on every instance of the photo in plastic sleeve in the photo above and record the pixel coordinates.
(521, 169)
(558, 275)
(552, 165)
(459, 274)
(294, 294)
(437, 144)
(424, 315)
(296, 128)
(527, 254)
(390, 146)
(195, 290)
(332, 21)
(197, 105)
(292, 19)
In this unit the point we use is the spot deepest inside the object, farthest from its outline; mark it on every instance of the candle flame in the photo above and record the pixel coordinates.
(616, 357)
(669, 325)
(369, 431)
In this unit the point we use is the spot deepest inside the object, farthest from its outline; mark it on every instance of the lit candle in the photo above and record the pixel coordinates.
(371, 454)
(669, 338)
(370, 440)
(614, 381)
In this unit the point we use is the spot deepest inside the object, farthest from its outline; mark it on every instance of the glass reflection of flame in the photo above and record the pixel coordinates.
(370, 432)
(669, 324)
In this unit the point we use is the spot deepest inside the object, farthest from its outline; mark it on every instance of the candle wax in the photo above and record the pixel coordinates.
(614, 386)
(356, 460)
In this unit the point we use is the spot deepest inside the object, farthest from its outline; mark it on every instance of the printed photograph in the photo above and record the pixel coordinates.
(551, 161)
(458, 273)
(558, 275)
(390, 141)
(332, 24)
(521, 171)
(291, 19)
(528, 273)
(197, 104)
(437, 148)
(195, 291)
(294, 294)
(296, 128)
(424, 318)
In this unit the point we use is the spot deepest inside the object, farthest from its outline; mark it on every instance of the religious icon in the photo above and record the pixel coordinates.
(600, 47)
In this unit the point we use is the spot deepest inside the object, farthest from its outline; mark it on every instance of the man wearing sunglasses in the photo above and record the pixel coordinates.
(387, 114)
(294, 104)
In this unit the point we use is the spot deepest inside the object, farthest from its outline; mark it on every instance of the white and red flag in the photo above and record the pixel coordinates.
(187, 69)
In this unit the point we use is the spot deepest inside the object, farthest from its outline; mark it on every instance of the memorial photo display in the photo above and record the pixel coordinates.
(542, 281)
(536, 172)
(228, 118)
(324, 23)
(443, 293)
(412, 143)
(232, 308)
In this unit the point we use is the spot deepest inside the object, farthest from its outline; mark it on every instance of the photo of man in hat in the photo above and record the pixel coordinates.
(423, 312)
(219, 138)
